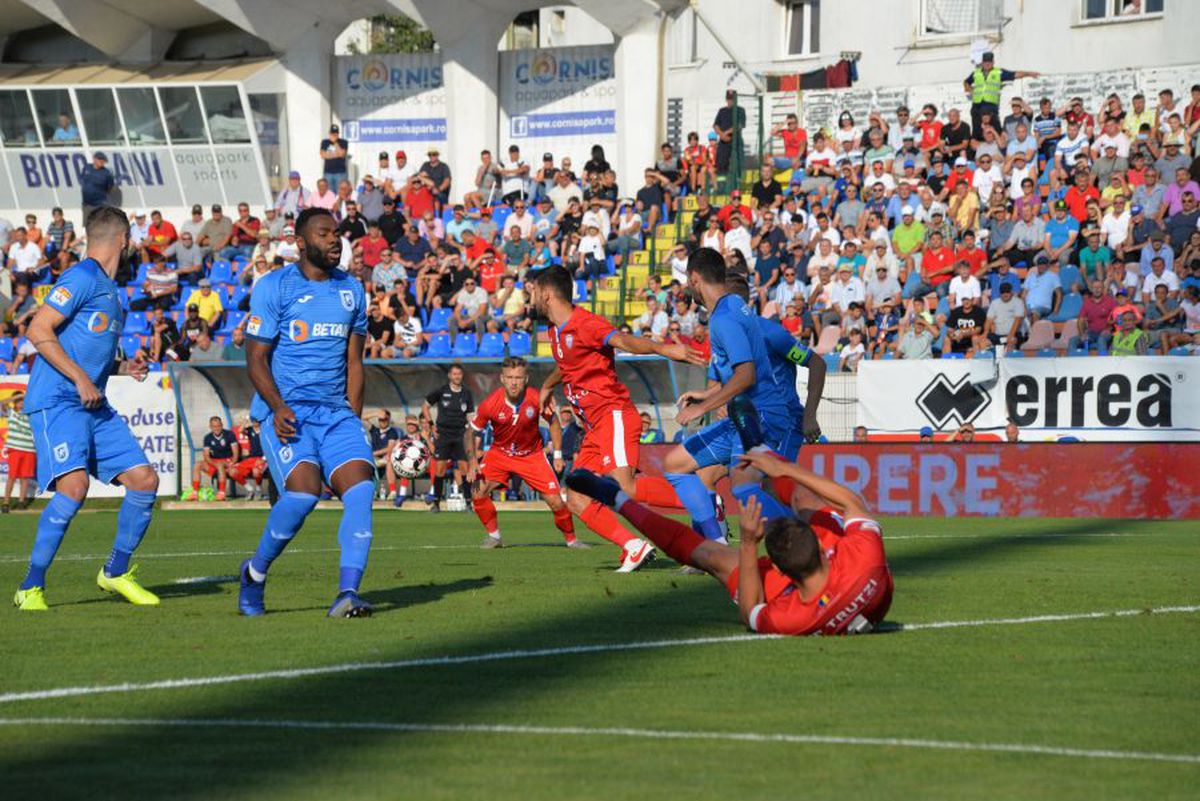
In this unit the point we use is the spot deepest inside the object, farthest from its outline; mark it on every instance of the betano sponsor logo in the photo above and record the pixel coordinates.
(299, 330)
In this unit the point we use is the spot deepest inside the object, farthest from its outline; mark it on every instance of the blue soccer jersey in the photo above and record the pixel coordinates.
(737, 339)
(308, 323)
(87, 298)
(785, 354)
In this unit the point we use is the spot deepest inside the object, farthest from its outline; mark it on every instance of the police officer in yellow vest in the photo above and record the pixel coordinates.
(983, 87)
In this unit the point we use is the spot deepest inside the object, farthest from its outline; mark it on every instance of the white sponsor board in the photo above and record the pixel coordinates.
(1093, 399)
(560, 100)
(148, 408)
(388, 103)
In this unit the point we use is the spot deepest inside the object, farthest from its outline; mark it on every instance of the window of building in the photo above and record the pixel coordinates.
(56, 117)
(961, 17)
(226, 117)
(98, 110)
(185, 120)
(802, 27)
(681, 38)
(1095, 10)
(141, 116)
(16, 119)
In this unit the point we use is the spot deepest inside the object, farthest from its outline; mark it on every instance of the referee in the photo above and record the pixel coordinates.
(454, 406)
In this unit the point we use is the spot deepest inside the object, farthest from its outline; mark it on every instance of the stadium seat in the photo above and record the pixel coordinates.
(678, 436)
(492, 346)
(943, 308)
(831, 362)
(439, 347)
(1069, 277)
(984, 354)
(519, 344)
(1180, 351)
(465, 346)
(231, 321)
(1076, 352)
(142, 270)
(1041, 335)
(830, 335)
(238, 293)
(221, 272)
(24, 368)
(581, 292)
(953, 355)
(500, 215)
(1069, 309)
(135, 323)
(1014, 354)
(7, 349)
(439, 320)
(130, 343)
(1047, 353)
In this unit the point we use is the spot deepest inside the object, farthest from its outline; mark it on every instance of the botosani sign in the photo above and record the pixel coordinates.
(147, 407)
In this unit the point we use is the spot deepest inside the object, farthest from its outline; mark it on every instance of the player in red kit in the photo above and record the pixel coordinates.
(584, 347)
(825, 571)
(514, 411)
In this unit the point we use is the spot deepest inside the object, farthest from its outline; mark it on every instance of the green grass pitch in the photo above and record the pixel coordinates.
(923, 709)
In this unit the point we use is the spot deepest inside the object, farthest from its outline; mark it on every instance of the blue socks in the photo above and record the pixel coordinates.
(132, 521)
(287, 515)
(354, 534)
(771, 508)
(52, 527)
(698, 501)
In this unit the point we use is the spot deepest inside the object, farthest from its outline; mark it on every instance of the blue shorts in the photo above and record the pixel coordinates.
(325, 437)
(69, 438)
(719, 443)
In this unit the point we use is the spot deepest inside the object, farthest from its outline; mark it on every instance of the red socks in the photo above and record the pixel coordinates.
(656, 491)
(486, 510)
(600, 519)
(196, 486)
(562, 519)
(674, 538)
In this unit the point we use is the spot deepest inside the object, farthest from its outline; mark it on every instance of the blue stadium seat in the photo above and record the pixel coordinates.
(221, 272)
(500, 216)
(1014, 354)
(492, 346)
(1072, 305)
(465, 346)
(439, 320)
(439, 347)
(239, 292)
(519, 344)
(1077, 352)
(581, 292)
(943, 308)
(888, 356)
(952, 355)
(24, 368)
(831, 362)
(142, 270)
(7, 349)
(155, 367)
(1047, 353)
(1069, 276)
(983, 354)
(1181, 351)
(130, 344)
(231, 321)
(678, 436)
(135, 323)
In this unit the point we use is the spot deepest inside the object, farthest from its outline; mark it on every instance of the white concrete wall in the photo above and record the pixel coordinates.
(578, 28)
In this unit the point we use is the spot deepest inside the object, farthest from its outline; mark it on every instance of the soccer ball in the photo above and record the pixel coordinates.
(410, 458)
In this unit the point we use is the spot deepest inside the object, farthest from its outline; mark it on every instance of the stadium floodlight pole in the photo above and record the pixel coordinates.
(759, 86)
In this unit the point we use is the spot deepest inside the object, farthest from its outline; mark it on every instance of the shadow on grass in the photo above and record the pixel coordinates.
(405, 597)
(179, 763)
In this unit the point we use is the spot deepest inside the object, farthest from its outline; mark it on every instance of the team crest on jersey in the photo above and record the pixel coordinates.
(253, 325)
(529, 412)
(61, 452)
(347, 299)
(60, 296)
(569, 339)
(285, 453)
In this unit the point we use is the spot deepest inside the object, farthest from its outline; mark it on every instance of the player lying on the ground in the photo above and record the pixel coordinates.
(584, 347)
(304, 354)
(513, 413)
(75, 333)
(825, 571)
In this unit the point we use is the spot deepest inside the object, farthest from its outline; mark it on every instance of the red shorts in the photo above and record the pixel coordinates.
(21, 464)
(612, 442)
(246, 467)
(209, 468)
(533, 469)
(774, 582)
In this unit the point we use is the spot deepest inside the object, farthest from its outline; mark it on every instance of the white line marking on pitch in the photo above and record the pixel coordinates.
(585, 731)
(376, 548)
(496, 656)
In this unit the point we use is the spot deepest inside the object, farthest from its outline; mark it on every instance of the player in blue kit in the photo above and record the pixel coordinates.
(750, 359)
(304, 353)
(76, 431)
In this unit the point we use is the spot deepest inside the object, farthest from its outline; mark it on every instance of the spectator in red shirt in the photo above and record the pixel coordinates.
(1123, 306)
(244, 236)
(699, 341)
(159, 237)
(372, 245)
(734, 206)
(473, 247)
(937, 267)
(960, 173)
(418, 196)
(491, 269)
(972, 254)
(1094, 318)
(1080, 193)
(795, 144)
(931, 130)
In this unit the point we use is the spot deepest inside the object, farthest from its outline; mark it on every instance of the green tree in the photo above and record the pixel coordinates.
(396, 33)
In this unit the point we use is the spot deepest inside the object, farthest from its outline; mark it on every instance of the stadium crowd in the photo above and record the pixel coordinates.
(1053, 229)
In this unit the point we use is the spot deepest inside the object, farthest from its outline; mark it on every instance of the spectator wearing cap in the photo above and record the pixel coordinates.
(390, 179)
(370, 199)
(207, 302)
(917, 343)
(288, 248)
(333, 157)
(96, 183)
(1172, 159)
(293, 198)
(1061, 232)
(139, 229)
(1042, 291)
(544, 177)
(983, 86)
(438, 173)
(392, 222)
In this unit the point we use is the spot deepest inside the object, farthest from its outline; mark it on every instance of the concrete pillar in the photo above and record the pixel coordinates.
(640, 102)
(308, 87)
(471, 76)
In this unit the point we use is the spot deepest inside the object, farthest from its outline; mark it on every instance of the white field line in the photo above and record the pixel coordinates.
(376, 548)
(622, 732)
(497, 656)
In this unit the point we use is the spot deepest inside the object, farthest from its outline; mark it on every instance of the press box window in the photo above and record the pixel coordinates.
(16, 120)
(185, 120)
(56, 118)
(226, 117)
(98, 110)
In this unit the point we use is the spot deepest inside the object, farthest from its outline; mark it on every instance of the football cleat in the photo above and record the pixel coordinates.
(399, 500)
(744, 417)
(188, 495)
(31, 600)
(637, 553)
(348, 604)
(578, 545)
(490, 542)
(220, 496)
(127, 586)
(599, 488)
(251, 601)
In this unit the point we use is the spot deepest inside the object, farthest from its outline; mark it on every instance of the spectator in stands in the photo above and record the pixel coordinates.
(1164, 319)
(1005, 320)
(649, 434)
(728, 126)
(965, 329)
(379, 332)
(221, 450)
(164, 337)
(508, 307)
(1159, 277)
(160, 235)
(60, 233)
(293, 198)
(204, 349)
(207, 302)
(383, 438)
(22, 457)
(217, 231)
(244, 235)
(438, 174)
(884, 329)
(370, 199)
(323, 197)
(353, 226)
(917, 341)
(25, 259)
(159, 288)
(1179, 227)
(406, 334)
(96, 183)
(653, 318)
(20, 310)
(1129, 339)
(470, 309)
(333, 157)
(235, 349)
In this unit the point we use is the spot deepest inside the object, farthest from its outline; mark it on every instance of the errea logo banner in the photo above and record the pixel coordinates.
(1098, 399)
